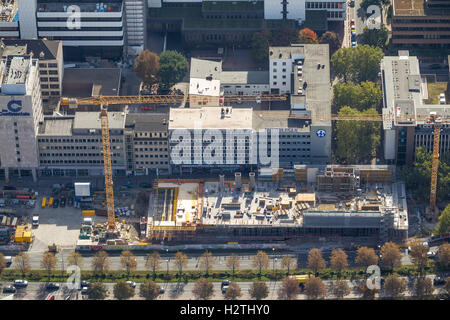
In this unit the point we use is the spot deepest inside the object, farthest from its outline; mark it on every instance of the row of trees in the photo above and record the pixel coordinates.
(167, 69)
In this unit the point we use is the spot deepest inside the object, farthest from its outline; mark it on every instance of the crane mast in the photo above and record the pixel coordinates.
(109, 191)
(434, 167)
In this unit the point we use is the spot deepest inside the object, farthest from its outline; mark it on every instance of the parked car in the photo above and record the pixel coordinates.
(53, 286)
(84, 290)
(70, 202)
(162, 291)
(63, 203)
(224, 286)
(56, 203)
(9, 289)
(20, 283)
(132, 284)
(353, 44)
(84, 283)
(36, 221)
(442, 98)
(438, 281)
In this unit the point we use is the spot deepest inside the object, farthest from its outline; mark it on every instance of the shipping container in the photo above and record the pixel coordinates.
(101, 212)
(44, 202)
(88, 213)
(23, 196)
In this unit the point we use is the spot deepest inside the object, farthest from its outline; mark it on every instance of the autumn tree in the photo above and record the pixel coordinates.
(206, 261)
(2, 263)
(419, 255)
(153, 262)
(315, 288)
(233, 292)
(233, 263)
(97, 291)
(394, 286)
(306, 35)
(146, 67)
(444, 255)
(48, 262)
(366, 292)
(260, 261)
(338, 260)
(391, 255)
(332, 38)
(288, 263)
(203, 289)
(173, 67)
(181, 260)
(423, 287)
(447, 286)
(341, 289)
(123, 291)
(149, 290)
(357, 141)
(22, 263)
(128, 261)
(315, 260)
(289, 289)
(366, 257)
(258, 290)
(100, 262)
(75, 259)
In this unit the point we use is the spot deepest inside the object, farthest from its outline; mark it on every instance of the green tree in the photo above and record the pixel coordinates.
(357, 64)
(146, 67)
(375, 37)
(443, 225)
(173, 67)
(418, 176)
(306, 35)
(97, 291)
(260, 46)
(149, 290)
(366, 3)
(332, 38)
(357, 141)
(123, 291)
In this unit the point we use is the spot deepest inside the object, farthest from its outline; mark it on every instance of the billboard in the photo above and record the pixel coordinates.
(82, 189)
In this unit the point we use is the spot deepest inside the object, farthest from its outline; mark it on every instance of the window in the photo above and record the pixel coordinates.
(274, 63)
(274, 83)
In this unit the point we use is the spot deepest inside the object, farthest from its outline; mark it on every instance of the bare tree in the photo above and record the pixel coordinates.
(444, 255)
(48, 263)
(366, 257)
(22, 262)
(391, 255)
(289, 289)
(315, 288)
(128, 261)
(338, 260)
(2, 263)
(260, 261)
(153, 262)
(315, 260)
(181, 260)
(206, 261)
(149, 290)
(75, 259)
(233, 291)
(289, 263)
(341, 289)
(394, 286)
(100, 262)
(419, 255)
(423, 288)
(258, 290)
(203, 289)
(447, 286)
(233, 263)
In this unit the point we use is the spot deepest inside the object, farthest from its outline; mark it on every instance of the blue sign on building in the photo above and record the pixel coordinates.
(321, 133)
(13, 109)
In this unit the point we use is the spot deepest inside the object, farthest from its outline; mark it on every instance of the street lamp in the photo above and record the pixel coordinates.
(274, 262)
(167, 272)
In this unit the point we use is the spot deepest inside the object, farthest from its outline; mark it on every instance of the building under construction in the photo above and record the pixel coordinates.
(279, 204)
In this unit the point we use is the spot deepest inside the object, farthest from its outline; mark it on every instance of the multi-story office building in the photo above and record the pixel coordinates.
(86, 27)
(404, 92)
(146, 143)
(72, 145)
(296, 9)
(20, 115)
(9, 19)
(421, 23)
(51, 62)
(135, 25)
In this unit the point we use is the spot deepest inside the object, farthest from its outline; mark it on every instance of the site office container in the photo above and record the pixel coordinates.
(44, 202)
(23, 196)
(87, 213)
(50, 202)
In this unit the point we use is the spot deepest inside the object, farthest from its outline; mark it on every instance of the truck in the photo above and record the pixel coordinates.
(301, 280)
(36, 221)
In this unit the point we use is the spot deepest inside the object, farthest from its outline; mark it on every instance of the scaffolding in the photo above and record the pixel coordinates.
(300, 173)
(337, 180)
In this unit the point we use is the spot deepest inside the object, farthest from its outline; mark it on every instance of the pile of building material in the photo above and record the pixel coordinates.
(23, 234)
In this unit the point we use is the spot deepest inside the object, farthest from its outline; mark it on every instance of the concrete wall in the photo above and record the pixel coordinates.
(27, 19)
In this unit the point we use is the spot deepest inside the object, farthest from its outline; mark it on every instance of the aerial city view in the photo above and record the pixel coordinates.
(224, 150)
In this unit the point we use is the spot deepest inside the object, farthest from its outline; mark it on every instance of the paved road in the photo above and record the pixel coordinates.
(182, 291)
